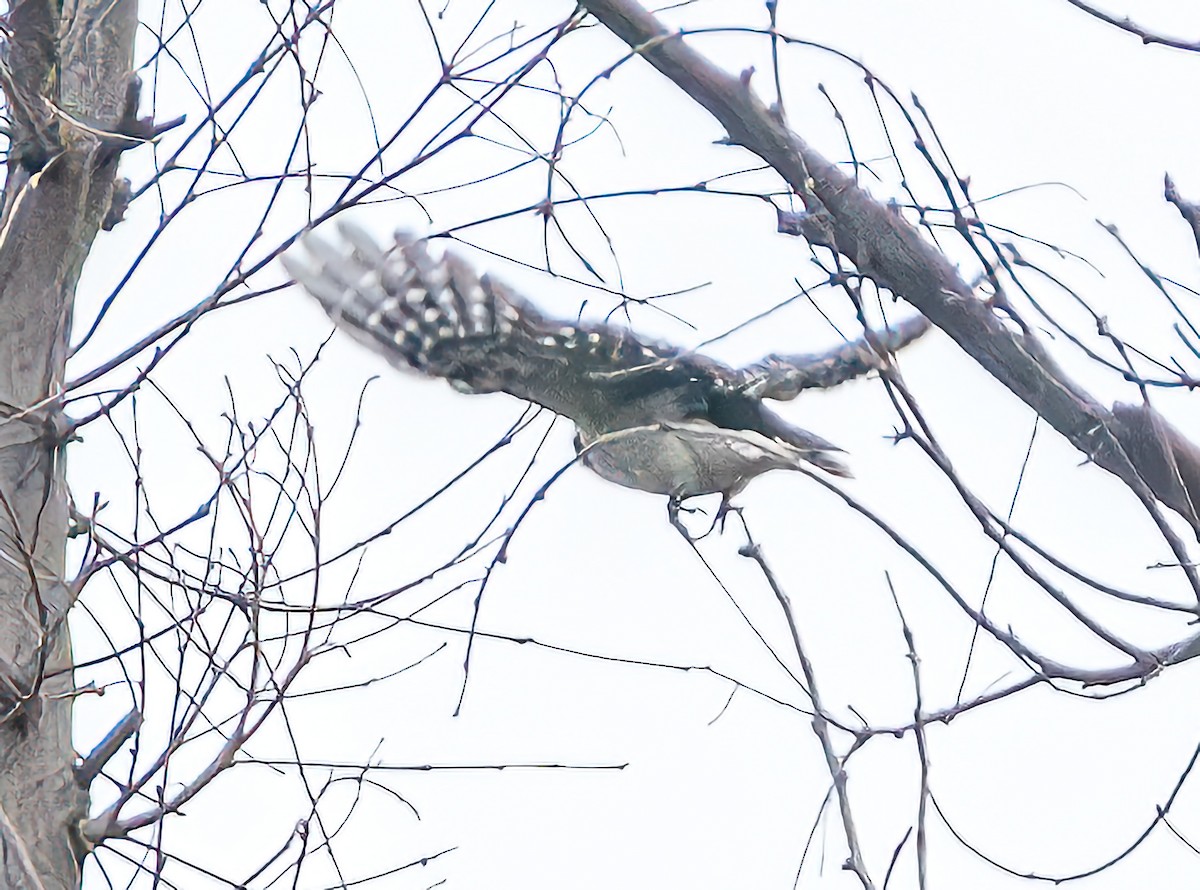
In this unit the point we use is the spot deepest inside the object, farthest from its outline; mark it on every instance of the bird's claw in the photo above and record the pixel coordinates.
(723, 512)
(675, 507)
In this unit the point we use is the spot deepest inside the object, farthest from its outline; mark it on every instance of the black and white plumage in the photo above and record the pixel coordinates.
(649, 415)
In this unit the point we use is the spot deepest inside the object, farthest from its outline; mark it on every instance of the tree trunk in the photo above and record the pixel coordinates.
(66, 78)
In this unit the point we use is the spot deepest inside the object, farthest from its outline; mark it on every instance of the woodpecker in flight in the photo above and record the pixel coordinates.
(649, 415)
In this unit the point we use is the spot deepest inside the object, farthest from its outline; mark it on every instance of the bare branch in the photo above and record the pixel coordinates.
(1187, 209)
(835, 764)
(844, 218)
(1128, 25)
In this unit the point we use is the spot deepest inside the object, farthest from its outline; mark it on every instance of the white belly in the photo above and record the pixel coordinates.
(686, 458)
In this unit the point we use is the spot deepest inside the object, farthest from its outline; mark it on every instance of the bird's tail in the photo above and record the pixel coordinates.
(817, 451)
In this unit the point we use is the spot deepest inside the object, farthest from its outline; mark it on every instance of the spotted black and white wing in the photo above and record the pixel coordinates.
(671, 420)
(438, 317)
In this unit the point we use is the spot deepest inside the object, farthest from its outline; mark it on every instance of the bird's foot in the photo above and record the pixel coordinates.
(723, 512)
(674, 508)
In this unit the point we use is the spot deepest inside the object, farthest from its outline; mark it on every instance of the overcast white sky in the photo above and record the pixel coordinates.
(723, 785)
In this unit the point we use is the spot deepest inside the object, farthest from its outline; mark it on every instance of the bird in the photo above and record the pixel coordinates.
(648, 415)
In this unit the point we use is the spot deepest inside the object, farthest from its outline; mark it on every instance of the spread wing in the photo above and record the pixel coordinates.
(786, 376)
(438, 317)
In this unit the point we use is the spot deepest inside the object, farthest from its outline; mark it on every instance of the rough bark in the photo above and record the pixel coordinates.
(66, 79)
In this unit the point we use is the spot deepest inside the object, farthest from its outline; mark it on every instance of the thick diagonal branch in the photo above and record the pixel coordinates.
(887, 249)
